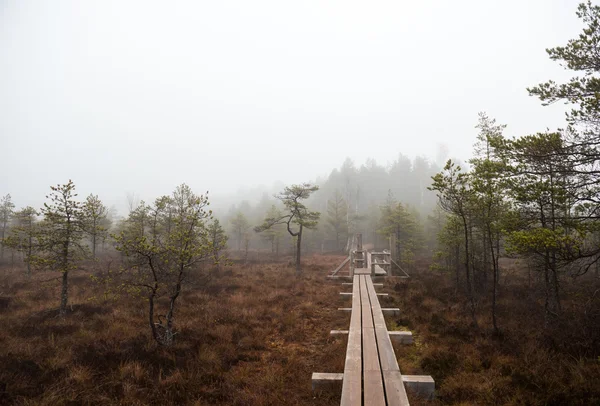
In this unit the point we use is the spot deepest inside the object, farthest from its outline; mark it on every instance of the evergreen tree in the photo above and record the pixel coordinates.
(160, 263)
(296, 213)
(95, 215)
(337, 217)
(239, 226)
(23, 236)
(61, 236)
(6, 210)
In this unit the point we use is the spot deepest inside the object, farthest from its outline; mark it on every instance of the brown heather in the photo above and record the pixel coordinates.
(255, 333)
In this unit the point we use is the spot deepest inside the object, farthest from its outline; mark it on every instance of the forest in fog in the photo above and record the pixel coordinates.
(186, 298)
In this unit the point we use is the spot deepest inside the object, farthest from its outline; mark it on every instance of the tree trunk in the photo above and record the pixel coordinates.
(2, 238)
(457, 265)
(298, 245)
(468, 270)
(64, 294)
(495, 282)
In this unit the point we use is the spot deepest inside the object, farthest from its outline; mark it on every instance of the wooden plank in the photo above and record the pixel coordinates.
(370, 354)
(351, 389)
(374, 393)
(341, 266)
(378, 320)
(367, 315)
(394, 389)
(353, 352)
(355, 317)
(387, 356)
(352, 385)
(326, 381)
(372, 378)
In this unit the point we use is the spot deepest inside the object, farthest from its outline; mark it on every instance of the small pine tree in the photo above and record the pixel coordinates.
(61, 236)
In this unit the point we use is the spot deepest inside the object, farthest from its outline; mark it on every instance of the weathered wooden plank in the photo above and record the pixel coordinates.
(372, 378)
(387, 356)
(355, 318)
(402, 337)
(352, 389)
(353, 352)
(322, 381)
(370, 354)
(422, 385)
(373, 391)
(352, 385)
(377, 314)
(367, 316)
(341, 266)
(394, 389)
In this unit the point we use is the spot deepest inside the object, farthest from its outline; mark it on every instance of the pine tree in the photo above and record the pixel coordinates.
(61, 236)
(337, 217)
(296, 213)
(23, 236)
(95, 215)
(6, 210)
(160, 262)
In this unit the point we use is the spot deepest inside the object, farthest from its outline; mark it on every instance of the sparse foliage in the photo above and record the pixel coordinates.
(159, 264)
(6, 210)
(23, 236)
(61, 236)
(95, 220)
(296, 213)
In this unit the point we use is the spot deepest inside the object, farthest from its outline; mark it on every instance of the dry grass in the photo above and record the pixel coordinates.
(255, 333)
(526, 365)
(252, 336)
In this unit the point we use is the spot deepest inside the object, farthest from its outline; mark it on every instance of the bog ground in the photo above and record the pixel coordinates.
(254, 334)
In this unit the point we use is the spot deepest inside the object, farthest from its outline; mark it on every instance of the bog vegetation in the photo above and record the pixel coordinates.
(173, 304)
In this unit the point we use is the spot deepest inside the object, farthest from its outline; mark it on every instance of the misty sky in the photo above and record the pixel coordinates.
(139, 96)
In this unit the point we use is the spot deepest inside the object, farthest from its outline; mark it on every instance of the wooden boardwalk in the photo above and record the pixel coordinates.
(371, 372)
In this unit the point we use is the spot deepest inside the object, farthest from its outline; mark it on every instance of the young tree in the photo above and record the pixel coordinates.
(239, 226)
(455, 197)
(396, 220)
(23, 237)
(450, 240)
(61, 235)
(6, 210)
(542, 194)
(159, 264)
(488, 198)
(337, 217)
(217, 239)
(138, 220)
(296, 213)
(95, 216)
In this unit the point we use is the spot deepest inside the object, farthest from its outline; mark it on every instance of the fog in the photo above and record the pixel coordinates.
(138, 96)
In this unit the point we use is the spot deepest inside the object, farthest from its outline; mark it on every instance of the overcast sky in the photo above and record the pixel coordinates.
(139, 96)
